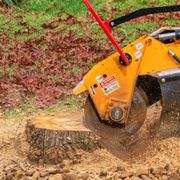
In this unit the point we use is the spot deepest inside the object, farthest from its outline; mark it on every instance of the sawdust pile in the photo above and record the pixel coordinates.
(157, 158)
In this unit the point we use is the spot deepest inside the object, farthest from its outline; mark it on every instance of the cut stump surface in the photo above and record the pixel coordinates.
(54, 138)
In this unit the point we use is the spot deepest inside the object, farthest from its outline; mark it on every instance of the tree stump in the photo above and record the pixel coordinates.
(57, 137)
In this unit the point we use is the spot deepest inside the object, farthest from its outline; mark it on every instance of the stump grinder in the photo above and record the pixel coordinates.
(144, 72)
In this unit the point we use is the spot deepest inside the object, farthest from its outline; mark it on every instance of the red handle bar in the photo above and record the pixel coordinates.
(107, 29)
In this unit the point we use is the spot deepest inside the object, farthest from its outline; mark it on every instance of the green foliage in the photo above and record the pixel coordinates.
(9, 2)
(36, 21)
(36, 13)
(69, 103)
(52, 7)
(77, 69)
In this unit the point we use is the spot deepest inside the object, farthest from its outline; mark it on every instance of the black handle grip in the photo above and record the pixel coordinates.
(144, 12)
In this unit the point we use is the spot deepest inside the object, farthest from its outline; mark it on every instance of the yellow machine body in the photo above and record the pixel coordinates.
(111, 84)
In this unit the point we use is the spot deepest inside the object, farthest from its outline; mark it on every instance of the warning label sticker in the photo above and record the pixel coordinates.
(138, 54)
(139, 46)
(109, 85)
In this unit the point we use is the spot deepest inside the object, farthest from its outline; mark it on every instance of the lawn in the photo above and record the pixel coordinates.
(26, 21)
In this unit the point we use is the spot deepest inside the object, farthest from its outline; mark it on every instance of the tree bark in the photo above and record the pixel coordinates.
(57, 137)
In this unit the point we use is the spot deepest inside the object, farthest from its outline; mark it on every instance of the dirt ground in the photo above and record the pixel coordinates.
(151, 158)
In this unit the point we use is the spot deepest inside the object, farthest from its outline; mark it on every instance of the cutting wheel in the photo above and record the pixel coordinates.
(106, 130)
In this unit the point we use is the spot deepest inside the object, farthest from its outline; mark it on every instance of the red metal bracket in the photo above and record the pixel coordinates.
(107, 29)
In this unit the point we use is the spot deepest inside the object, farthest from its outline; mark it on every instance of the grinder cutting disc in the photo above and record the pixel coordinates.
(106, 130)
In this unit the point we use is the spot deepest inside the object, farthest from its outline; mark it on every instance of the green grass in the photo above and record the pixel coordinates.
(35, 13)
(69, 103)
(55, 7)
(74, 7)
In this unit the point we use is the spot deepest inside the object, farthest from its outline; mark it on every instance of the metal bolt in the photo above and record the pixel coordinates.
(111, 104)
(112, 23)
(163, 80)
